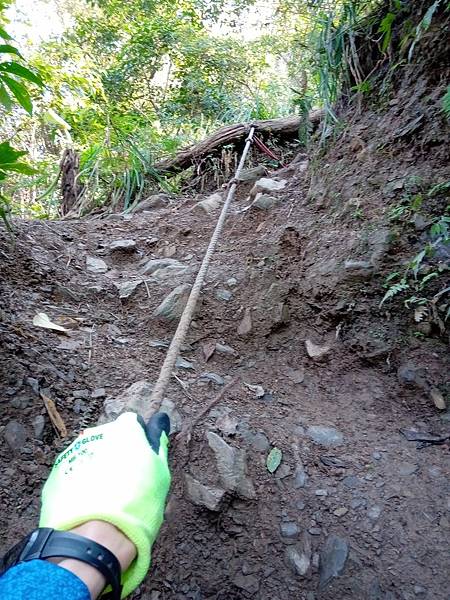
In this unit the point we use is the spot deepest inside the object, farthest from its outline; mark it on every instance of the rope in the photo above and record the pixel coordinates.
(186, 318)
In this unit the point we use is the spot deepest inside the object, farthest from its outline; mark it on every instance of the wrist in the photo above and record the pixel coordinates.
(111, 538)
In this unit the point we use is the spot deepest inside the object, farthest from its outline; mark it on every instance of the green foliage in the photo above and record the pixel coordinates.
(419, 273)
(446, 103)
(13, 78)
(423, 26)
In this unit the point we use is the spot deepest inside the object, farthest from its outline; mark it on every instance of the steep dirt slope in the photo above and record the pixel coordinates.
(355, 510)
(345, 388)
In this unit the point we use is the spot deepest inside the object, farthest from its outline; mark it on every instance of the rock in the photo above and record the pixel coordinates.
(70, 345)
(283, 471)
(171, 308)
(15, 435)
(246, 325)
(135, 398)
(379, 242)
(96, 265)
(325, 436)
(231, 464)
(410, 375)
(351, 482)
(248, 583)
(210, 204)
(315, 351)
(438, 398)
(232, 282)
(182, 363)
(405, 469)
(226, 424)
(176, 421)
(38, 424)
(33, 383)
(152, 202)
(154, 264)
(332, 559)
(265, 202)
(223, 295)
(340, 512)
(321, 493)
(289, 529)
(298, 556)
(257, 440)
(376, 455)
(296, 375)
(266, 184)
(224, 349)
(82, 394)
(253, 174)
(217, 379)
(300, 476)
(127, 288)
(420, 222)
(202, 495)
(356, 503)
(374, 512)
(359, 269)
(98, 393)
(122, 246)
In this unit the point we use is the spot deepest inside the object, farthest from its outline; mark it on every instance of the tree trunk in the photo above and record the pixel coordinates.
(70, 188)
(285, 127)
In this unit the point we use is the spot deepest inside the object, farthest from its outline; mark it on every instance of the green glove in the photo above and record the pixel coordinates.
(117, 473)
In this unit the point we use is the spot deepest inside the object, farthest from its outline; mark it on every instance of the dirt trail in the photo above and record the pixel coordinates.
(354, 511)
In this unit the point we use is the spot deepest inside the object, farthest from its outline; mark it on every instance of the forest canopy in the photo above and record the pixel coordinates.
(125, 84)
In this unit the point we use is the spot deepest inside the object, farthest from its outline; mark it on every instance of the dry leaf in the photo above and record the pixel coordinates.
(55, 417)
(42, 320)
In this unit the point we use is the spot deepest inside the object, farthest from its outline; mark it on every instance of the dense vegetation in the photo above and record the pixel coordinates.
(130, 82)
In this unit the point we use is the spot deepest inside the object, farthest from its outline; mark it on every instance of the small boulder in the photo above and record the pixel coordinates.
(210, 204)
(246, 325)
(332, 559)
(265, 202)
(298, 556)
(316, 352)
(152, 202)
(232, 466)
(171, 308)
(96, 265)
(325, 436)
(15, 435)
(135, 398)
(266, 184)
(248, 175)
(153, 265)
(122, 245)
(202, 495)
(127, 288)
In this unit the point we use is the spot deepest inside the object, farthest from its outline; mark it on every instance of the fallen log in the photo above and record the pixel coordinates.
(284, 127)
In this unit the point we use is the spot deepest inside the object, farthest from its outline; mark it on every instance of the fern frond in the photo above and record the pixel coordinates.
(395, 289)
(446, 103)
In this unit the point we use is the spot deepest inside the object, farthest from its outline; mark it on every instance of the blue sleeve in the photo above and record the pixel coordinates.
(41, 580)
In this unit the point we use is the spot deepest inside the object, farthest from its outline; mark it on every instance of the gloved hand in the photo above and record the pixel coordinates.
(117, 473)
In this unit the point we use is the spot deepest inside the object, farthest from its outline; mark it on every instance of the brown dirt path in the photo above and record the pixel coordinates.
(361, 513)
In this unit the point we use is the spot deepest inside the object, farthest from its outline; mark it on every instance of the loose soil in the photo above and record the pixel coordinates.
(363, 515)
(379, 492)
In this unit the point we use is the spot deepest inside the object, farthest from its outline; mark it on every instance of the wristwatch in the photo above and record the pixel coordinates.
(43, 543)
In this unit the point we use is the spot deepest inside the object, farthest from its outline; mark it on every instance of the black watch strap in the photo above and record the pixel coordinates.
(46, 543)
